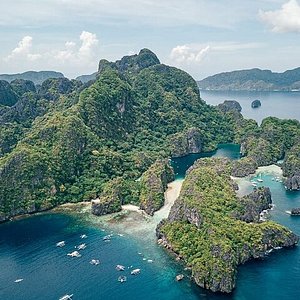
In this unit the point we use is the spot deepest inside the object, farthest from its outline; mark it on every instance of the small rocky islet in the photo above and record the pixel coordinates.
(109, 140)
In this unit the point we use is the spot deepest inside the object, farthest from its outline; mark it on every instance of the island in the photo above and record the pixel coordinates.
(213, 231)
(252, 80)
(256, 104)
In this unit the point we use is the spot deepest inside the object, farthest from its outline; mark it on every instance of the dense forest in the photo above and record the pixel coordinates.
(63, 141)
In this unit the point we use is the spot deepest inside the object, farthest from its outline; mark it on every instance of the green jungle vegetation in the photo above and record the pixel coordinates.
(205, 227)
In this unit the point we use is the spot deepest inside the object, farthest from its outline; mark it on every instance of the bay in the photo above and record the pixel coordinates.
(284, 105)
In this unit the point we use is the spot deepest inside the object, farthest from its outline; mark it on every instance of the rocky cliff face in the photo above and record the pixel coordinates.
(253, 204)
(213, 231)
(153, 185)
(293, 183)
(7, 95)
(131, 64)
(291, 168)
(190, 141)
(110, 199)
(244, 167)
(230, 105)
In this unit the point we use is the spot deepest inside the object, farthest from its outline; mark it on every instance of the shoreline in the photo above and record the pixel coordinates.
(245, 183)
(133, 221)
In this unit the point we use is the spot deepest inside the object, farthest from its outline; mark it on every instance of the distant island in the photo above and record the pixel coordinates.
(87, 78)
(35, 77)
(252, 80)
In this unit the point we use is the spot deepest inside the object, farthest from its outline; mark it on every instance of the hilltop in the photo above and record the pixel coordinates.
(253, 80)
(35, 77)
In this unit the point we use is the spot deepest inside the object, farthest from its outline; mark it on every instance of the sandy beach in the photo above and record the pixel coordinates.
(134, 221)
(244, 183)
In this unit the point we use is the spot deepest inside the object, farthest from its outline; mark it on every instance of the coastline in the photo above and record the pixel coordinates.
(245, 184)
(135, 222)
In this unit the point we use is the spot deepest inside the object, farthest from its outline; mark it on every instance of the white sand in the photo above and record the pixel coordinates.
(134, 221)
(244, 183)
(171, 194)
(130, 207)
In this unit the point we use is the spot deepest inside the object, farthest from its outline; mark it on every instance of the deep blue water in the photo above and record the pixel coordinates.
(285, 105)
(27, 250)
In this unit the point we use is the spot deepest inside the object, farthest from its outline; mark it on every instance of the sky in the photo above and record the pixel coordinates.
(202, 37)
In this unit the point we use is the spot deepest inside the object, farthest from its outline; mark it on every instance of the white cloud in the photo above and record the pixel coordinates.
(188, 54)
(89, 41)
(196, 53)
(77, 56)
(286, 19)
(23, 50)
(85, 53)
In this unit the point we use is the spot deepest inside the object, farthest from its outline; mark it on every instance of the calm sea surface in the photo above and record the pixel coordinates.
(285, 105)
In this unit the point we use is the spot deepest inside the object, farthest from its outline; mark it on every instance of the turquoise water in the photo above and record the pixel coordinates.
(180, 165)
(28, 251)
(277, 276)
(285, 105)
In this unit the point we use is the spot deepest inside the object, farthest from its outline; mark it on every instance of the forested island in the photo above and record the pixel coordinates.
(253, 80)
(109, 140)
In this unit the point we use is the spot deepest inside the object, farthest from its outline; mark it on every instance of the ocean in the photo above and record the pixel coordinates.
(284, 105)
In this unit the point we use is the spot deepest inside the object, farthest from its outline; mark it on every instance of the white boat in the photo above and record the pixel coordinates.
(120, 268)
(135, 272)
(179, 277)
(150, 261)
(122, 279)
(60, 244)
(107, 237)
(19, 280)
(95, 262)
(254, 184)
(66, 297)
(81, 246)
(74, 254)
(260, 180)
(83, 236)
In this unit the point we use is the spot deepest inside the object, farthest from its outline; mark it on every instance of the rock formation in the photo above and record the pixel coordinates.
(213, 231)
(187, 142)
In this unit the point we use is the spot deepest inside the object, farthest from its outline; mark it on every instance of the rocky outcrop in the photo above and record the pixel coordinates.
(153, 185)
(213, 231)
(110, 199)
(184, 143)
(256, 104)
(7, 95)
(253, 204)
(244, 167)
(21, 86)
(51, 89)
(293, 183)
(291, 168)
(132, 64)
(229, 106)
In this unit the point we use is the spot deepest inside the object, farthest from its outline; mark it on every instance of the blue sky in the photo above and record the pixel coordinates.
(203, 37)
